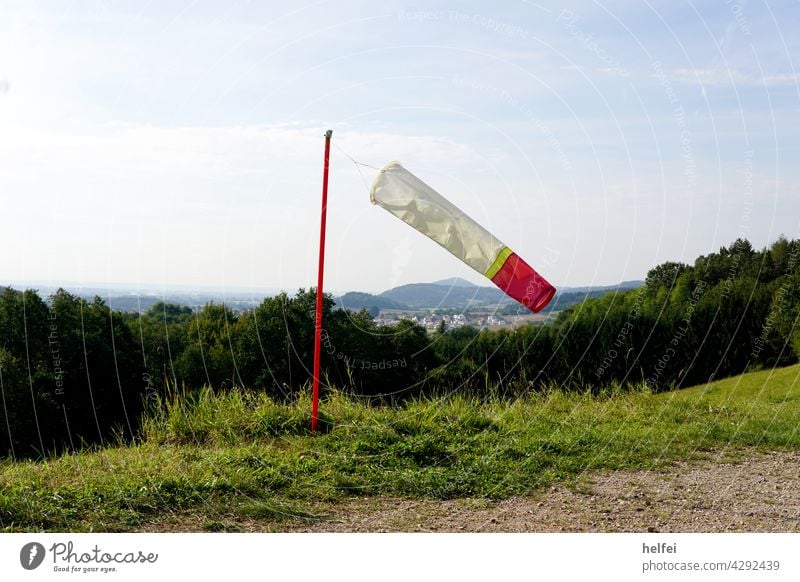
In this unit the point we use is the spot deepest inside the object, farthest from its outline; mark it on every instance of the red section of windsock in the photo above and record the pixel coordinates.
(518, 279)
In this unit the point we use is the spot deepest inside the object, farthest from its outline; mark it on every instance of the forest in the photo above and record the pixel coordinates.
(74, 373)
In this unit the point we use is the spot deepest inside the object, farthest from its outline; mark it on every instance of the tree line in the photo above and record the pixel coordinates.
(74, 372)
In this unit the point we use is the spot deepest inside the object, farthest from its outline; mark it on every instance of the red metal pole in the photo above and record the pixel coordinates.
(318, 319)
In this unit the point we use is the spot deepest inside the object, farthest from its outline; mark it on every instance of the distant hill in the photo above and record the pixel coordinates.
(434, 295)
(357, 300)
(457, 293)
(455, 282)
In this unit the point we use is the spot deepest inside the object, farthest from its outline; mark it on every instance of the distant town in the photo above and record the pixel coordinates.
(474, 318)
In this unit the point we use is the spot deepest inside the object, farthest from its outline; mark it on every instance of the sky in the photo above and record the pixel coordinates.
(180, 143)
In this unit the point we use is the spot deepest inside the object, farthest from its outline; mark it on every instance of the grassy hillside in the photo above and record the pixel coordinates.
(241, 456)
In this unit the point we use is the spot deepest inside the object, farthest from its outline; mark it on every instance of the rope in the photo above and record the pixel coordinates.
(355, 161)
(358, 165)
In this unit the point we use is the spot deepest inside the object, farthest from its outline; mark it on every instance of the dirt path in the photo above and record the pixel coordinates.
(758, 493)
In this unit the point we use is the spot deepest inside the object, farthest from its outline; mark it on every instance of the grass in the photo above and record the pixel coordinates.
(218, 461)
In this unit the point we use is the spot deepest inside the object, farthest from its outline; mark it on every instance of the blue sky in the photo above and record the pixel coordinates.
(180, 143)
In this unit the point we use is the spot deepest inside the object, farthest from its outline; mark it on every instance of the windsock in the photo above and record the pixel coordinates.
(420, 206)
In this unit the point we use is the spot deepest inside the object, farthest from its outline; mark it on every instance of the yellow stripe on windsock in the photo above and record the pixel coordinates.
(498, 263)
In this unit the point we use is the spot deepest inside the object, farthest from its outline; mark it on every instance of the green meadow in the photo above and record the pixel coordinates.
(239, 455)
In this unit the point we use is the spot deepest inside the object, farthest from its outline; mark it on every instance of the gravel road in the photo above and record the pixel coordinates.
(757, 492)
